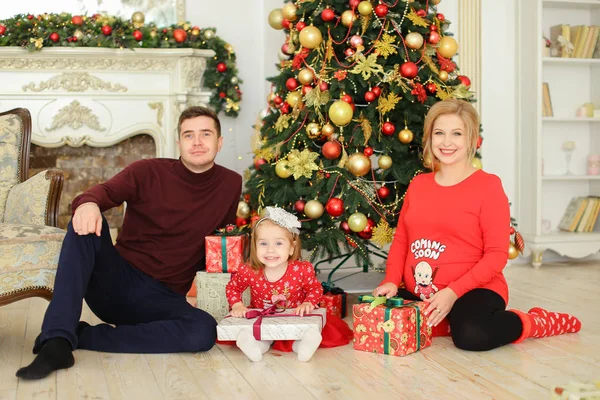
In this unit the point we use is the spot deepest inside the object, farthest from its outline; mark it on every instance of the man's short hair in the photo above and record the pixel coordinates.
(199, 111)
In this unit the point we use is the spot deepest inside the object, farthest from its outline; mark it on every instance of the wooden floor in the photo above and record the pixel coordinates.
(525, 371)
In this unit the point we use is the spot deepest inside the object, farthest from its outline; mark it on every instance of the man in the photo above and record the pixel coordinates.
(139, 284)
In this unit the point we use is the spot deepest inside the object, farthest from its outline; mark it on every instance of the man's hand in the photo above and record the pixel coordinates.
(239, 310)
(304, 308)
(87, 219)
(440, 304)
(387, 289)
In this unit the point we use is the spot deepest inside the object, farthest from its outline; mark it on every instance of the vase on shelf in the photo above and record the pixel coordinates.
(568, 146)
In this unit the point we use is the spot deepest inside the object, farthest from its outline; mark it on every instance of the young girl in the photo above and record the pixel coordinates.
(451, 242)
(275, 272)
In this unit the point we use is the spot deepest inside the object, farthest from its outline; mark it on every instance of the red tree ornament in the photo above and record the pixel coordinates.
(381, 10)
(479, 142)
(465, 80)
(370, 96)
(300, 25)
(383, 192)
(440, 16)
(259, 162)
(409, 70)
(368, 231)
(335, 207)
(376, 91)
(331, 150)
(368, 151)
(388, 128)
(291, 84)
(327, 15)
(345, 227)
(299, 205)
(347, 98)
(434, 37)
(421, 13)
(431, 88)
(323, 86)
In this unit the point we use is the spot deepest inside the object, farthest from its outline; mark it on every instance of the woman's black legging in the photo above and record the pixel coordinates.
(479, 320)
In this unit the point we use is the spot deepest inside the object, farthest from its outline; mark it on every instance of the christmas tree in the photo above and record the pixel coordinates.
(341, 138)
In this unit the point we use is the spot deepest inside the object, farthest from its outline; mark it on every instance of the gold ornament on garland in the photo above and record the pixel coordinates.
(78, 34)
(209, 34)
(138, 19)
(382, 233)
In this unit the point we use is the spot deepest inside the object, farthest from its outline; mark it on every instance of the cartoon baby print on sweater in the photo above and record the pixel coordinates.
(423, 272)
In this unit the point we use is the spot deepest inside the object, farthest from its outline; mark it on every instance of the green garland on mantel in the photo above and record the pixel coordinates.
(34, 32)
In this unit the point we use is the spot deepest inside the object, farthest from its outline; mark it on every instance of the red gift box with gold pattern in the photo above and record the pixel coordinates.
(224, 254)
(334, 300)
(396, 327)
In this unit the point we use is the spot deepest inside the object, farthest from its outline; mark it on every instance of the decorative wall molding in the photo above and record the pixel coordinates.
(469, 34)
(180, 6)
(160, 111)
(75, 82)
(193, 69)
(75, 116)
(88, 64)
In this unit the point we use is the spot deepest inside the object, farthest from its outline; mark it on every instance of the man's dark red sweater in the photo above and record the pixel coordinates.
(170, 210)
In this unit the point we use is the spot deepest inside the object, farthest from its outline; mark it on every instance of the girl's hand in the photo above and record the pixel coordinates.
(440, 304)
(239, 310)
(387, 289)
(304, 308)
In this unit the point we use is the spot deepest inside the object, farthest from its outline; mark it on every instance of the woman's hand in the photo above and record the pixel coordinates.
(304, 308)
(239, 310)
(387, 289)
(440, 304)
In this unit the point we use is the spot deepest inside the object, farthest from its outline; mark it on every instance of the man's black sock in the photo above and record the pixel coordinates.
(55, 354)
(37, 345)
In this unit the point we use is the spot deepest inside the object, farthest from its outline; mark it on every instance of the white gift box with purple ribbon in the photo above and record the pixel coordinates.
(272, 325)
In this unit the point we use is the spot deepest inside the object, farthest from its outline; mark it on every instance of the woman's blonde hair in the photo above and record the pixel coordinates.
(294, 241)
(470, 118)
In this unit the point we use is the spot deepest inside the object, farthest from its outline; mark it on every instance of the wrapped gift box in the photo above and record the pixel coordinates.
(225, 253)
(397, 327)
(210, 293)
(280, 326)
(334, 300)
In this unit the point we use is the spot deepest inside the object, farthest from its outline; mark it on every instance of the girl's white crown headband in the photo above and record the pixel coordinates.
(281, 218)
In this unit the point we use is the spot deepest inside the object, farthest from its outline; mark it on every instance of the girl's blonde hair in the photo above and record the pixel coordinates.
(470, 118)
(253, 261)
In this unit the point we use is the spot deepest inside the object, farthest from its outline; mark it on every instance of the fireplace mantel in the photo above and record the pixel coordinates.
(99, 97)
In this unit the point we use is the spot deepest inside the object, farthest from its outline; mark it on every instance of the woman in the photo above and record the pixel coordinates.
(451, 242)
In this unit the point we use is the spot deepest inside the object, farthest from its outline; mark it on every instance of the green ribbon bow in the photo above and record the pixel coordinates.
(390, 304)
(224, 254)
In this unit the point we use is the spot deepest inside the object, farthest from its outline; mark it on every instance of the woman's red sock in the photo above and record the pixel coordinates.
(539, 323)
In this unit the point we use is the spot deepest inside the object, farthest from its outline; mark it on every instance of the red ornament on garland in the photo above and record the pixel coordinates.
(370, 96)
(381, 10)
(179, 35)
(335, 207)
(327, 15)
(479, 142)
(409, 70)
(77, 20)
(54, 37)
(30, 16)
(221, 67)
(368, 151)
(291, 84)
(300, 25)
(299, 205)
(331, 150)
(2, 29)
(106, 30)
(388, 129)
(376, 91)
(383, 192)
(138, 35)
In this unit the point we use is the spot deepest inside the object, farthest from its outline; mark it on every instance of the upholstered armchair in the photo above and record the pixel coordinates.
(30, 242)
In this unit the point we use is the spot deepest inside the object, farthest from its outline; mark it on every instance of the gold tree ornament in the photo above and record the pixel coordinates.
(405, 136)
(348, 17)
(313, 130)
(276, 19)
(385, 162)
(138, 19)
(282, 169)
(313, 209)
(289, 11)
(359, 164)
(443, 76)
(357, 222)
(365, 8)
(447, 47)
(310, 37)
(476, 163)
(294, 98)
(513, 252)
(382, 234)
(327, 130)
(243, 210)
(414, 40)
(306, 76)
(340, 112)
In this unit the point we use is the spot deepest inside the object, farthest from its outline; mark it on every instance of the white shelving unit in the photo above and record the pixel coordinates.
(544, 188)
